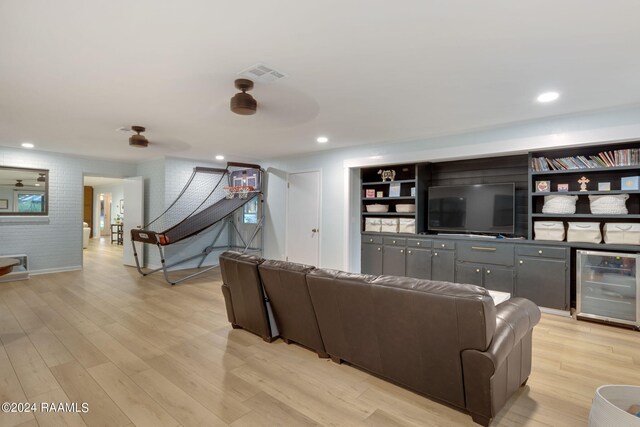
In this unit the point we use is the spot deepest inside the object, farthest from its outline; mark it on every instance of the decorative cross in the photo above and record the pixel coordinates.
(583, 183)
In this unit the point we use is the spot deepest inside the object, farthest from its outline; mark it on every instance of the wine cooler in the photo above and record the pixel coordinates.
(607, 287)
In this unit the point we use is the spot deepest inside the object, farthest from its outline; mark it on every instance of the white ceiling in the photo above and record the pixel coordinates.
(360, 71)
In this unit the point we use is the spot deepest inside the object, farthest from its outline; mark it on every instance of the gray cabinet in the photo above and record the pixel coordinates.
(542, 275)
(418, 263)
(443, 264)
(393, 256)
(371, 255)
(495, 278)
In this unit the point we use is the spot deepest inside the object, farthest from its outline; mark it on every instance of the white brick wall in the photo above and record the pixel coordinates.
(153, 173)
(56, 245)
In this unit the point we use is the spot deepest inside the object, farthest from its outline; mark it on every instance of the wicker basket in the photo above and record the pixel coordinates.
(610, 404)
(377, 208)
(609, 204)
(557, 204)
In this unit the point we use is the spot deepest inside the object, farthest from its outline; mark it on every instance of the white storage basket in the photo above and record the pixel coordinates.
(407, 225)
(373, 224)
(609, 204)
(549, 230)
(610, 404)
(622, 232)
(559, 204)
(389, 225)
(588, 232)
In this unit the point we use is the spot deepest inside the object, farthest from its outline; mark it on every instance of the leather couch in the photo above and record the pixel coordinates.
(443, 340)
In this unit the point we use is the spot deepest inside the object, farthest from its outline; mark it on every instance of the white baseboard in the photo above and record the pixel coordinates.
(555, 311)
(56, 270)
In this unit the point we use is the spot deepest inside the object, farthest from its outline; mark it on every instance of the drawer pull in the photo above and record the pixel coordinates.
(481, 248)
(435, 254)
(521, 262)
(394, 242)
(409, 252)
(379, 249)
(488, 271)
(477, 270)
(401, 251)
(443, 245)
(371, 240)
(418, 243)
(540, 251)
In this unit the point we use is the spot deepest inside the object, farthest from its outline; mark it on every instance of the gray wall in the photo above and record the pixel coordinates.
(54, 243)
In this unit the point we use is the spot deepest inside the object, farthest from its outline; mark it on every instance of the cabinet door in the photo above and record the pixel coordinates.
(498, 279)
(418, 263)
(371, 259)
(393, 261)
(469, 273)
(443, 266)
(542, 281)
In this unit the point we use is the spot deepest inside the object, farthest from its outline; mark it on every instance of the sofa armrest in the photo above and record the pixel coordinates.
(491, 376)
(231, 316)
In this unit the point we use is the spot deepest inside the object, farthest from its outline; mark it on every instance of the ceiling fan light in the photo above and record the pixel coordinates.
(137, 140)
(19, 183)
(41, 178)
(242, 103)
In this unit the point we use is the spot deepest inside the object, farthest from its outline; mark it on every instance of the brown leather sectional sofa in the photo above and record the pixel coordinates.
(443, 340)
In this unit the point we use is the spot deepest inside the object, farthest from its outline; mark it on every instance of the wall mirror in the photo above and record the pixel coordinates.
(24, 191)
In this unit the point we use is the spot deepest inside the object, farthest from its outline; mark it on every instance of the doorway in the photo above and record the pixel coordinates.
(303, 218)
(104, 212)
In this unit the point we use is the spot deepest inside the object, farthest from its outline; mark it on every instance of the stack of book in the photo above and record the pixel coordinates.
(605, 159)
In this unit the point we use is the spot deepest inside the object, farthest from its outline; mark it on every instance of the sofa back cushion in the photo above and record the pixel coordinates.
(240, 275)
(408, 330)
(285, 284)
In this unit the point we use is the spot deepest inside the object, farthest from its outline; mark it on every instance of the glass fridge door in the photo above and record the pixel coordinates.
(607, 286)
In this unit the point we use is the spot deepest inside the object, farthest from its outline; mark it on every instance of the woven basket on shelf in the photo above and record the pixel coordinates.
(559, 204)
(609, 204)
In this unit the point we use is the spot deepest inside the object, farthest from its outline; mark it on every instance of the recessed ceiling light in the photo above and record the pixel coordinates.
(219, 157)
(27, 145)
(322, 139)
(548, 97)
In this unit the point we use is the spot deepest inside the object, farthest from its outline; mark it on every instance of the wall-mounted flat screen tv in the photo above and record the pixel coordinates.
(480, 208)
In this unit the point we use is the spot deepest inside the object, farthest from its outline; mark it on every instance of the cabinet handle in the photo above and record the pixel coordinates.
(409, 252)
(540, 251)
(477, 270)
(488, 271)
(435, 254)
(371, 240)
(418, 243)
(401, 251)
(480, 248)
(379, 249)
(394, 242)
(521, 262)
(443, 245)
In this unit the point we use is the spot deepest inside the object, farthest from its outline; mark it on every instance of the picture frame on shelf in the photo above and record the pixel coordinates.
(370, 193)
(394, 189)
(563, 188)
(630, 183)
(543, 186)
(379, 194)
(604, 186)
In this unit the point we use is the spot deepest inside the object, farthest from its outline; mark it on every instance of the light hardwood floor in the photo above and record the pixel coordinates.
(141, 352)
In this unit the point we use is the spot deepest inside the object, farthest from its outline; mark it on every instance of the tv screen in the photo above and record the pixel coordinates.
(481, 208)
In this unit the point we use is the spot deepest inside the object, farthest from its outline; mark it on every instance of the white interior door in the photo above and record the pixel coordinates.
(133, 196)
(303, 218)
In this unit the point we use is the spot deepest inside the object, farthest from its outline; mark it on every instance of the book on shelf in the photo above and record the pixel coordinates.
(605, 159)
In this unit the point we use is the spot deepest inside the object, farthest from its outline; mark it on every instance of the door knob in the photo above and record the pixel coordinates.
(314, 230)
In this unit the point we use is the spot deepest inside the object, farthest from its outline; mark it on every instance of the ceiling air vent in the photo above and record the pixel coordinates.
(262, 73)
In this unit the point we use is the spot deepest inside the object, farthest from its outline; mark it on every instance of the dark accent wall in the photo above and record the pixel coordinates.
(493, 170)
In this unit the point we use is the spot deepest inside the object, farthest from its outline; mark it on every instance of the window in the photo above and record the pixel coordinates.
(30, 201)
(250, 212)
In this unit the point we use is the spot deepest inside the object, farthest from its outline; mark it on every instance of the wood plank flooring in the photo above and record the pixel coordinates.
(141, 352)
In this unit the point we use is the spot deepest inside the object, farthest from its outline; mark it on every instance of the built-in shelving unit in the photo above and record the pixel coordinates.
(612, 175)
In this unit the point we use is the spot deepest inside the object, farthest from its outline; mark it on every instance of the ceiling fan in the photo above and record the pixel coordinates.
(138, 141)
(242, 103)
